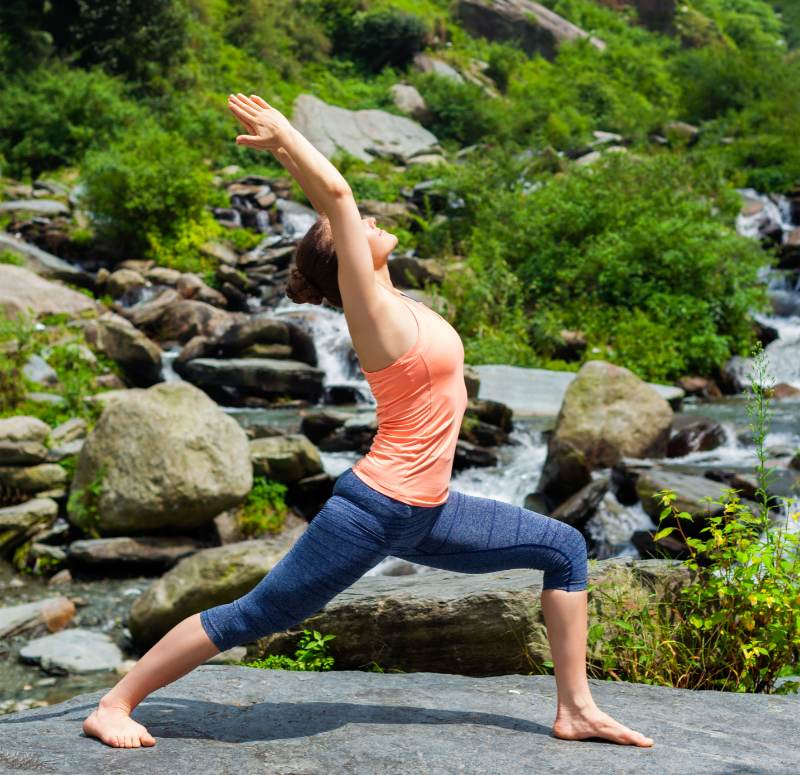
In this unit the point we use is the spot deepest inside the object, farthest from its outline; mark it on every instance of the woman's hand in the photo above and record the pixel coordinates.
(267, 128)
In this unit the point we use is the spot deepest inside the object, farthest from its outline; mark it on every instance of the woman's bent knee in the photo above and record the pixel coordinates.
(571, 574)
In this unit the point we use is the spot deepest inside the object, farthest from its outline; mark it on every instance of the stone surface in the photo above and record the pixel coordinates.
(43, 263)
(538, 392)
(472, 624)
(20, 522)
(285, 458)
(231, 719)
(21, 289)
(171, 458)
(205, 579)
(55, 612)
(365, 134)
(23, 428)
(74, 650)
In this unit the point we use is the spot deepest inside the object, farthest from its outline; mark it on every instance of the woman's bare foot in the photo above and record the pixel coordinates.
(592, 722)
(115, 727)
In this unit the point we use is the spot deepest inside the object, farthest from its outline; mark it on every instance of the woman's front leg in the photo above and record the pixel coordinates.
(577, 715)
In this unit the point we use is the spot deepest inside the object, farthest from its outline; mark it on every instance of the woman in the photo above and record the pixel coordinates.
(395, 500)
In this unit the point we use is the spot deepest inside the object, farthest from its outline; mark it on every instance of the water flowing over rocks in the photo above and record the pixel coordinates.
(171, 459)
(227, 718)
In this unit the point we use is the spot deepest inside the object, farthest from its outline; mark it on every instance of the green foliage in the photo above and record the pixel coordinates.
(264, 510)
(311, 654)
(639, 253)
(382, 38)
(83, 503)
(736, 625)
(10, 257)
(147, 192)
(17, 344)
(52, 115)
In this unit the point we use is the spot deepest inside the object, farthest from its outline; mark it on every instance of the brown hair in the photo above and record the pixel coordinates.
(314, 274)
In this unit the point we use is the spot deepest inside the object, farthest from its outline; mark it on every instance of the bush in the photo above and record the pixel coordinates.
(264, 509)
(52, 115)
(381, 38)
(147, 192)
(311, 654)
(736, 625)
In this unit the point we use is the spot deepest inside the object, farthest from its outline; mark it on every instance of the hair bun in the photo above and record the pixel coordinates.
(300, 289)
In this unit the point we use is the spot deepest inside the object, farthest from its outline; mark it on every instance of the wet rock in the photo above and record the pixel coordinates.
(469, 455)
(21, 288)
(186, 318)
(691, 492)
(121, 281)
(607, 413)
(783, 390)
(700, 386)
(580, 507)
(363, 133)
(691, 433)
(75, 650)
(228, 718)
(267, 377)
(285, 458)
(22, 521)
(163, 275)
(473, 624)
(207, 578)
(409, 272)
(668, 546)
(23, 428)
(537, 29)
(171, 458)
(735, 374)
(221, 251)
(317, 425)
(192, 286)
(159, 552)
(472, 379)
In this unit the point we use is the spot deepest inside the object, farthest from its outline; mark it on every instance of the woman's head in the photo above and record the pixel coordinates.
(314, 273)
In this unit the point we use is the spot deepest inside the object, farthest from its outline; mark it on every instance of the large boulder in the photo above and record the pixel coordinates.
(472, 624)
(19, 523)
(43, 263)
(166, 457)
(21, 289)
(607, 413)
(538, 29)
(207, 578)
(234, 719)
(365, 134)
(23, 427)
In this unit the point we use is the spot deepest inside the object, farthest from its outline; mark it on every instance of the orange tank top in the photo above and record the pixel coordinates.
(421, 398)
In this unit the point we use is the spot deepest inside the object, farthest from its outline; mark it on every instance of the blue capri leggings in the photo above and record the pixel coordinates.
(359, 526)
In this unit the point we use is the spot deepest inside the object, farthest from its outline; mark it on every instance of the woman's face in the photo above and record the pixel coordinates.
(381, 242)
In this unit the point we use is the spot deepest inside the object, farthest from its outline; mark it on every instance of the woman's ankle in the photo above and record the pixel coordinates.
(112, 702)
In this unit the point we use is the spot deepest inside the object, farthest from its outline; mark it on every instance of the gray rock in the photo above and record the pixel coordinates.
(75, 650)
(47, 207)
(20, 522)
(171, 456)
(33, 479)
(204, 579)
(232, 719)
(473, 624)
(121, 281)
(23, 428)
(73, 429)
(162, 551)
(267, 376)
(427, 64)
(286, 459)
(21, 289)
(608, 413)
(365, 134)
(538, 29)
(37, 369)
(16, 618)
(409, 100)
(22, 452)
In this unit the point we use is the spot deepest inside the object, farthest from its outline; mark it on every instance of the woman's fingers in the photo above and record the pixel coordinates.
(246, 124)
(245, 108)
(250, 140)
(244, 117)
(259, 101)
(247, 101)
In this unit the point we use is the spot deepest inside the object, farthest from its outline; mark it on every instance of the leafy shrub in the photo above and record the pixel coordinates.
(736, 625)
(147, 193)
(264, 509)
(10, 257)
(311, 654)
(52, 115)
(381, 38)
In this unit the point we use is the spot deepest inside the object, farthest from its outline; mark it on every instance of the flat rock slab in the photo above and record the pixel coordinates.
(229, 719)
(538, 392)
